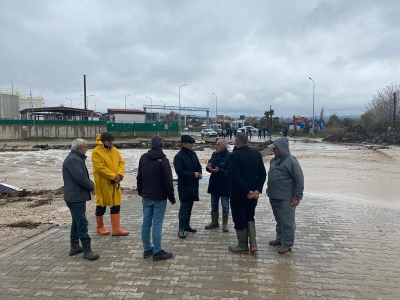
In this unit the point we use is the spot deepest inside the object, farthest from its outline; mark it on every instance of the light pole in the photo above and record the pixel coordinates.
(95, 104)
(12, 88)
(151, 109)
(313, 115)
(87, 99)
(70, 100)
(164, 110)
(216, 107)
(125, 99)
(179, 120)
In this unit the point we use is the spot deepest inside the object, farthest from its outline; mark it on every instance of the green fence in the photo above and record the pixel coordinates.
(122, 127)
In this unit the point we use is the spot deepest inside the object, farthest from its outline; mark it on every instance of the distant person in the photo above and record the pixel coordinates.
(154, 185)
(259, 133)
(188, 169)
(264, 131)
(249, 133)
(108, 172)
(285, 131)
(224, 133)
(218, 185)
(247, 172)
(77, 188)
(285, 190)
(230, 131)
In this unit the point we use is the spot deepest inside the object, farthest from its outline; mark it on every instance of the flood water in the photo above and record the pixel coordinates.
(351, 173)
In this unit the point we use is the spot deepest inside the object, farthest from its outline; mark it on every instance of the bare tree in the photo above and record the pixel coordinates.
(381, 107)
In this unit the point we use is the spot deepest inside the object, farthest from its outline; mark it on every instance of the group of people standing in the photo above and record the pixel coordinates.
(236, 181)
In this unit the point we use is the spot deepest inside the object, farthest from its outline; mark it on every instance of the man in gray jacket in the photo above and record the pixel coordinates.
(77, 188)
(285, 190)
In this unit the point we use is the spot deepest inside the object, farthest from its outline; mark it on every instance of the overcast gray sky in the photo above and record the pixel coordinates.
(250, 53)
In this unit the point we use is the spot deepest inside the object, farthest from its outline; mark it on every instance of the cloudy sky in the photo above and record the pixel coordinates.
(252, 54)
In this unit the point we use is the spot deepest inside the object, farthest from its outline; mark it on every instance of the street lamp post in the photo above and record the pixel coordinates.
(70, 100)
(125, 99)
(216, 107)
(12, 88)
(179, 120)
(164, 110)
(95, 104)
(87, 99)
(313, 115)
(151, 109)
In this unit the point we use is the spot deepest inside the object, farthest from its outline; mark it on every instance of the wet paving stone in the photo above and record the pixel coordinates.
(343, 250)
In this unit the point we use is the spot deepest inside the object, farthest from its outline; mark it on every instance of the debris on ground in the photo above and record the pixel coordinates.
(24, 224)
(350, 134)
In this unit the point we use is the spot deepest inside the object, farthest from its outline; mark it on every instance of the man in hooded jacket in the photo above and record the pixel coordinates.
(188, 169)
(154, 185)
(285, 190)
(108, 172)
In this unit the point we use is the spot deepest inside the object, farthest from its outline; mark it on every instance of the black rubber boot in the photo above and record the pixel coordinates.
(251, 230)
(225, 227)
(214, 221)
(242, 247)
(188, 227)
(87, 250)
(75, 248)
(181, 232)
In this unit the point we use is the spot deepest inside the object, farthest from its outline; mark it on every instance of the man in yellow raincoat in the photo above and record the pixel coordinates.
(108, 172)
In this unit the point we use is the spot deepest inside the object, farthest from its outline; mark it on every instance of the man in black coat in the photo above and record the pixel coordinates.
(77, 188)
(218, 185)
(247, 172)
(188, 169)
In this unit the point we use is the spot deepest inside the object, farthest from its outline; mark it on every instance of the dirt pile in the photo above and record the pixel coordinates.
(350, 135)
(388, 138)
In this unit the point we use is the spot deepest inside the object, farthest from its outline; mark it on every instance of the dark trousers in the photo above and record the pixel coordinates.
(243, 211)
(80, 223)
(101, 210)
(185, 210)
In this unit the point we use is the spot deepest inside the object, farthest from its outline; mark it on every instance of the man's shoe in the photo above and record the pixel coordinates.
(162, 255)
(284, 250)
(274, 243)
(148, 253)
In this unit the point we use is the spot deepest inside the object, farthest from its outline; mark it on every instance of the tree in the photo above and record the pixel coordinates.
(321, 114)
(172, 117)
(333, 121)
(380, 108)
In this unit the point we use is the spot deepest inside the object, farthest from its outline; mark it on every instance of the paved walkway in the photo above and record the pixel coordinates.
(343, 251)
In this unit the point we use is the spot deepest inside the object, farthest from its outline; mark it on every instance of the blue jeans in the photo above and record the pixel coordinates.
(215, 202)
(153, 215)
(80, 223)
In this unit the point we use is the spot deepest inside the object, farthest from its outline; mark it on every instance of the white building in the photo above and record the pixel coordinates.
(117, 115)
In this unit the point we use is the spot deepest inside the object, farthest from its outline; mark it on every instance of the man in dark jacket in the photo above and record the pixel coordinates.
(188, 169)
(77, 188)
(218, 185)
(248, 174)
(285, 190)
(154, 185)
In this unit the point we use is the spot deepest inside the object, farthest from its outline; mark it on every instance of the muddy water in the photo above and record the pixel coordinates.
(351, 173)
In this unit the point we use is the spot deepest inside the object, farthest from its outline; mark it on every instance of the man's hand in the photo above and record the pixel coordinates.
(173, 201)
(198, 175)
(295, 202)
(117, 178)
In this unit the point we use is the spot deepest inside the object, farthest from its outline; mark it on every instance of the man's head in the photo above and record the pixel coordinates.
(274, 149)
(107, 139)
(79, 145)
(187, 141)
(221, 145)
(157, 142)
(241, 139)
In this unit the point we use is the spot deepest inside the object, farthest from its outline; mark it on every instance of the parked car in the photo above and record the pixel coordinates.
(208, 132)
(245, 128)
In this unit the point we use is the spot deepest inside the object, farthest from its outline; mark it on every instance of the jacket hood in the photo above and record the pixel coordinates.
(156, 153)
(283, 146)
(98, 141)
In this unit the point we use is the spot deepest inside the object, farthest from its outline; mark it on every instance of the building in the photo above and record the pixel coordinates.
(117, 115)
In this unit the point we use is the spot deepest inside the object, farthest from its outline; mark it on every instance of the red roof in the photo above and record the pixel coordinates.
(119, 111)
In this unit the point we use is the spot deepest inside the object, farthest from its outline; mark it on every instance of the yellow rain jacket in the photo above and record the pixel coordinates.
(106, 165)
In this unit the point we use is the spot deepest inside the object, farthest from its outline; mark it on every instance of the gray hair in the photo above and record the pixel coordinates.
(157, 141)
(242, 138)
(77, 143)
(224, 142)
